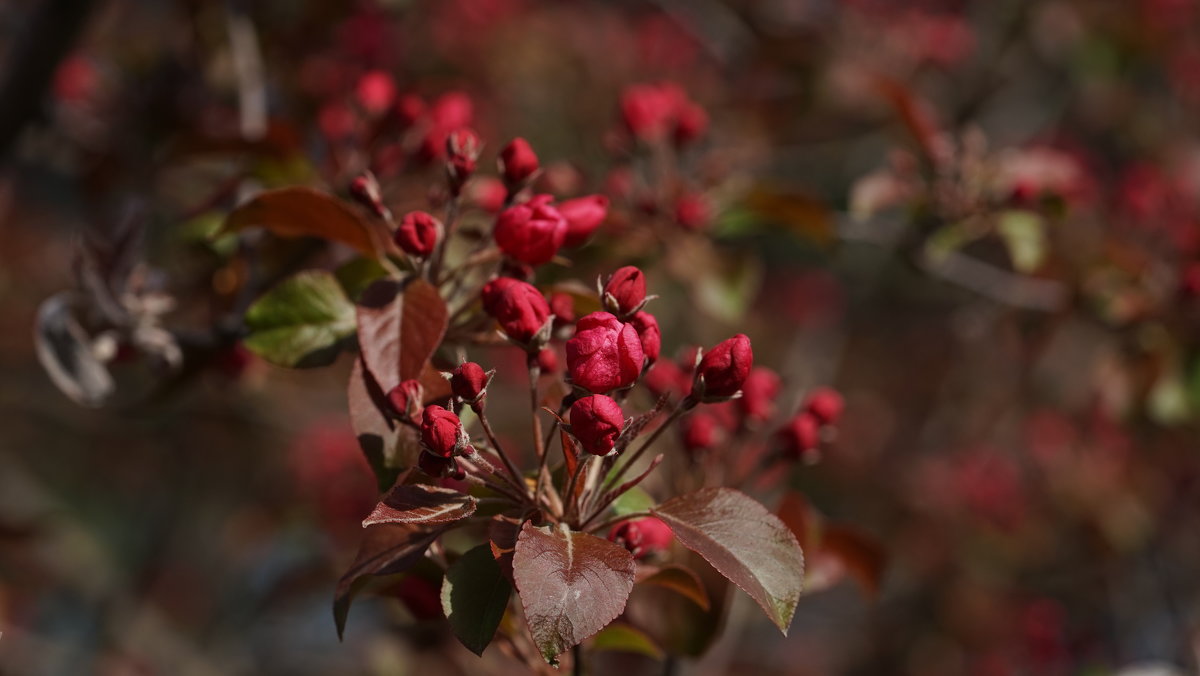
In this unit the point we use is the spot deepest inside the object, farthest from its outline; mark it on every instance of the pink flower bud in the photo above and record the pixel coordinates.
(365, 190)
(442, 432)
(723, 370)
(452, 110)
(406, 398)
(596, 421)
(462, 150)
(375, 91)
(758, 395)
(531, 232)
(625, 291)
(583, 216)
(417, 233)
(692, 212)
(469, 382)
(519, 308)
(409, 109)
(800, 436)
(649, 334)
(547, 361)
(667, 378)
(487, 193)
(642, 537)
(517, 162)
(604, 354)
(691, 124)
(825, 404)
(699, 432)
(562, 306)
(647, 111)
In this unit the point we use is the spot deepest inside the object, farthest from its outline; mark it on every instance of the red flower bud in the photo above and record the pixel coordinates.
(409, 109)
(487, 193)
(562, 306)
(417, 233)
(699, 432)
(691, 124)
(375, 91)
(531, 232)
(519, 308)
(604, 354)
(435, 465)
(647, 111)
(452, 110)
(758, 394)
(825, 404)
(547, 360)
(517, 162)
(583, 215)
(365, 190)
(651, 337)
(642, 537)
(625, 291)
(723, 370)
(800, 436)
(462, 150)
(596, 421)
(692, 212)
(666, 378)
(469, 382)
(406, 398)
(442, 432)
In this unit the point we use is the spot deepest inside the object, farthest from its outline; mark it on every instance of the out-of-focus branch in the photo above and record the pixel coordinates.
(1000, 285)
(247, 64)
(52, 30)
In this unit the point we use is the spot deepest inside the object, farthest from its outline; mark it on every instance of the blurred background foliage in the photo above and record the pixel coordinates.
(976, 219)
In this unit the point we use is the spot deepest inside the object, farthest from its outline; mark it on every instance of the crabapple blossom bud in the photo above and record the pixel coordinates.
(469, 382)
(517, 162)
(723, 370)
(442, 432)
(625, 291)
(604, 354)
(648, 332)
(692, 211)
(596, 421)
(435, 465)
(462, 150)
(409, 109)
(375, 91)
(690, 124)
(583, 215)
(365, 190)
(800, 437)
(531, 232)
(646, 111)
(825, 404)
(562, 306)
(547, 360)
(699, 432)
(520, 309)
(487, 193)
(405, 399)
(642, 537)
(758, 394)
(666, 378)
(452, 110)
(417, 233)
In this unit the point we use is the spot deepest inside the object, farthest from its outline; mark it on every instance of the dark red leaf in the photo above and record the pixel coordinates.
(679, 579)
(400, 325)
(502, 537)
(833, 550)
(675, 622)
(419, 503)
(385, 550)
(304, 212)
(571, 585)
(745, 542)
(388, 446)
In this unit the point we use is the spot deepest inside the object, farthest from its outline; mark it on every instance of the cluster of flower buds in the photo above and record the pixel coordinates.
(653, 112)
(417, 234)
(533, 231)
(802, 436)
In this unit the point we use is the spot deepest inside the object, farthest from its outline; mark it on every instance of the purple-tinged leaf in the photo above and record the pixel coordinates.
(304, 212)
(388, 446)
(621, 637)
(571, 585)
(745, 542)
(420, 503)
(386, 549)
(683, 581)
(400, 325)
(475, 595)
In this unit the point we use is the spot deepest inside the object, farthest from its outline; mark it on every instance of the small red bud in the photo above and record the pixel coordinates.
(583, 215)
(723, 370)
(417, 233)
(825, 404)
(469, 382)
(442, 432)
(649, 333)
(604, 354)
(642, 537)
(547, 361)
(562, 306)
(517, 162)
(462, 151)
(625, 291)
(531, 232)
(596, 421)
(375, 91)
(666, 378)
(800, 436)
(758, 395)
(699, 432)
(405, 399)
(692, 212)
(519, 307)
(691, 124)
(365, 190)
(435, 465)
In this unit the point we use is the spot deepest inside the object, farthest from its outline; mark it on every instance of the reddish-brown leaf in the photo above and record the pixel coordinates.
(304, 212)
(388, 446)
(419, 503)
(502, 536)
(400, 325)
(683, 581)
(745, 542)
(386, 549)
(833, 550)
(571, 585)
(860, 555)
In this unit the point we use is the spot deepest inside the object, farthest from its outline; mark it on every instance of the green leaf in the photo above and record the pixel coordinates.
(633, 501)
(621, 637)
(474, 597)
(1167, 403)
(727, 292)
(356, 275)
(1024, 234)
(301, 321)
